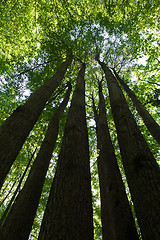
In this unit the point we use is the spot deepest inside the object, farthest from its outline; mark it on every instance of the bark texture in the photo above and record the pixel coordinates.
(149, 121)
(68, 213)
(111, 182)
(142, 170)
(16, 128)
(18, 223)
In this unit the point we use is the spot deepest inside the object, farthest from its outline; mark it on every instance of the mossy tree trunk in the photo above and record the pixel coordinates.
(68, 213)
(18, 223)
(16, 128)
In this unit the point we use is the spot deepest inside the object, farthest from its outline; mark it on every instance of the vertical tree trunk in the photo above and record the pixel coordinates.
(108, 230)
(68, 213)
(142, 170)
(16, 128)
(111, 180)
(150, 123)
(18, 223)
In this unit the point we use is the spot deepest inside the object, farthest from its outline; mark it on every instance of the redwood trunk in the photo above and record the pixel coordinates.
(142, 170)
(111, 181)
(18, 223)
(68, 213)
(150, 123)
(16, 128)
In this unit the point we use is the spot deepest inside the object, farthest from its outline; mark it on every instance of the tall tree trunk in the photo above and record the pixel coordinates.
(18, 223)
(150, 123)
(142, 170)
(108, 231)
(16, 128)
(68, 213)
(111, 180)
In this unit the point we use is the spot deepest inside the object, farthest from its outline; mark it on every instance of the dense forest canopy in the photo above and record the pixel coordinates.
(36, 37)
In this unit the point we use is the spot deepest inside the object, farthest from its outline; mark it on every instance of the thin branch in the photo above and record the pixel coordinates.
(8, 193)
(34, 236)
(151, 82)
(31, 69)
(17, 190)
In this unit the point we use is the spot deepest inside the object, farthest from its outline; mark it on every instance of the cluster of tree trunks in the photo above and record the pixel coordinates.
(68, 214)
(18, 223)
(16, 128)
(141, 168)
(114, 202)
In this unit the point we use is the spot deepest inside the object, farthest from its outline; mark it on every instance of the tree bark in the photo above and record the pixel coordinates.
(111, 183)
(68, 213)
(16, 128)
(108, 231)
(18, 223)
(142, 170)
(150, 123)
